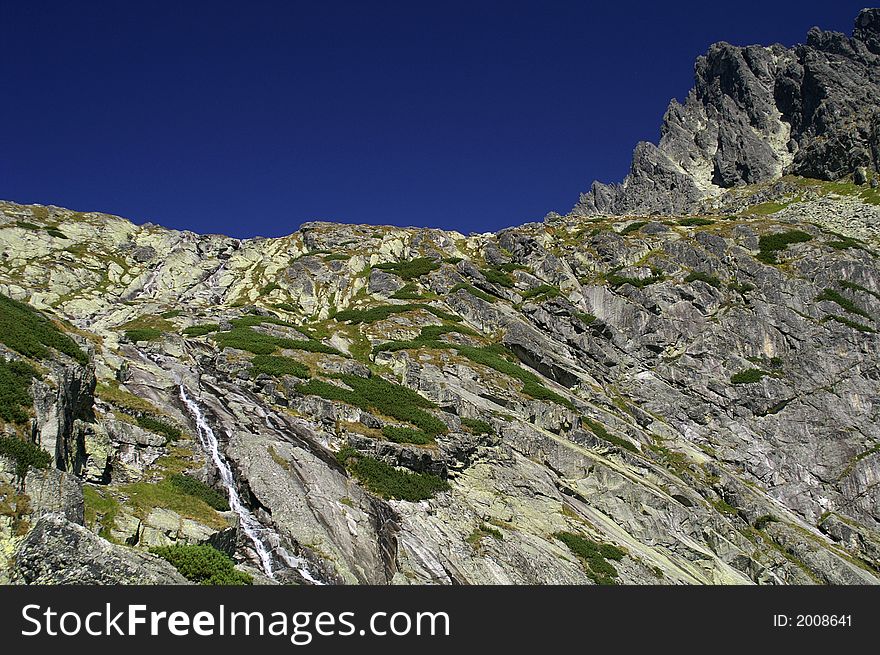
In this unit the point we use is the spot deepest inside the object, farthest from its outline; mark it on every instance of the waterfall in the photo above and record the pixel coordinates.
(263, 539)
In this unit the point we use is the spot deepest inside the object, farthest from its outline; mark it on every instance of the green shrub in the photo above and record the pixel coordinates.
(389, 481)
(546, 290)
(55, 232)
(477, 293)
(277, 366)
(408, 292)
(833, 296)
(763, 521)
(26, 454)
(477, 426)
(616, 280)
(749, 376)
(15, 397)
(847, 322)
(599, 430)
(25, 225)
(410, 269)
(770, 244)
(586, 318)
(174, 313)
(242, 337)
(203, 564)
(633, 227)
(497, 276)
(380, 313)
(201, 330)
(704, 277)
(852, 286)
(695, 221)
(169, 431)
(376, 394)
(28, 332)
(198, 489)
(406, 435)
(336, 257)
(594, 556)
(453, 260)
(143, 334)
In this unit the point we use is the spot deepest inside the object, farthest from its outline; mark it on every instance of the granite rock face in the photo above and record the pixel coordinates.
(754, 114)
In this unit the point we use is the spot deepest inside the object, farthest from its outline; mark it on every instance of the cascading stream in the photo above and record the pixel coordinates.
(260, 536)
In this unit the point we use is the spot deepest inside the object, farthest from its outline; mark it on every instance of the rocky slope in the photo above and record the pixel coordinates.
(755, 113)
(696, 396)
(591, 399)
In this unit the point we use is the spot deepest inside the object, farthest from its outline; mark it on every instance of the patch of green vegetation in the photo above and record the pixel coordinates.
(408, 292)
(723, 507)
(389, 481)
(594, 556)
(100, 510)
(765, 208)
(143, 334)
(496, 275)
(268, 288)
(848, 305)
(695, 221)
(198, 489)
(477, 426)
(377, 394)
(31, 334)
(453, 260)
(616, 280)
(740, 287)
(174, 313)
(25, 225)
(484, 530)
(599, 430)
(166, 429)
(844, 243)
(53, 231)
(336, 257)
(15, 397)
(145, 496)
(748, 376)
(381, 312)
(203, 564)
(770, 244)
(709, 279)
(243, 337)
(406, 435)
(471, 289)
(847, 322)
(633, 227)
(201, 330)
(277, 366)
(764, 520)
(124, 400)
(852, 286)
(411, 268)
(587, 319)
(495, 356)
(25, 454)
(510, 267)
(544, 291)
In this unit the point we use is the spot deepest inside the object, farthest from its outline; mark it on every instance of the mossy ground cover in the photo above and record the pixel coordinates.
(855, 325)
(377, 394)
(494, 356)
(695, 221)
(599, 430)
(471, 289)
(146, 328)
(748, 376)
(198, 489)
(477, 426)
(242, 336)
(203, 564)
(407, 435)
(160, 426)
(388, 481)
(770, 245)
(278, 366)
(633, 227)
(842, 301)
(381, 312)
(543, 291)
(31, 334)
(411, 268)
(497, 275)
(201, 330)
(594, 556)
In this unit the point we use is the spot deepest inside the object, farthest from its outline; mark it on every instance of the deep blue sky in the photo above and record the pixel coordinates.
(248, 118)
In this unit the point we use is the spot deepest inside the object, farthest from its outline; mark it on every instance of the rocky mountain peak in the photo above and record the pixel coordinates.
(755, 114)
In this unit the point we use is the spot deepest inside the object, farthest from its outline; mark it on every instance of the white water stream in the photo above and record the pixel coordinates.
(260, 536)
